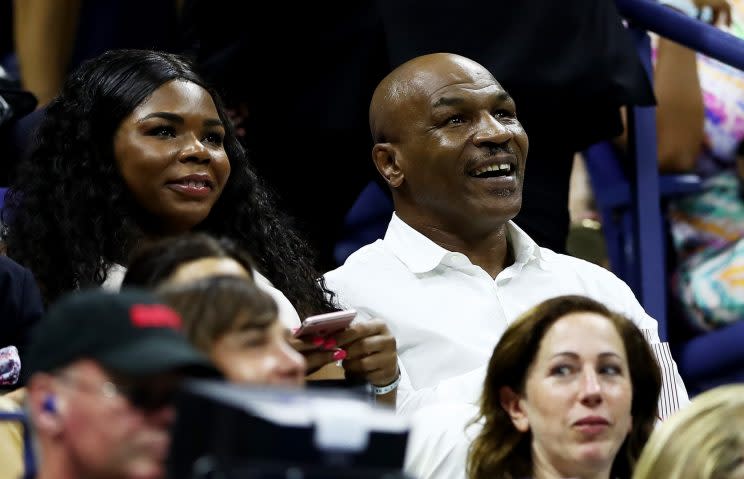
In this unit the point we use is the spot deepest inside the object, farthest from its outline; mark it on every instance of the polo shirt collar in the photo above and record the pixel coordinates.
(421, 255)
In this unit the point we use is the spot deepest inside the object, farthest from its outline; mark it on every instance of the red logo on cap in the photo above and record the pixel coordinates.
(154, 316)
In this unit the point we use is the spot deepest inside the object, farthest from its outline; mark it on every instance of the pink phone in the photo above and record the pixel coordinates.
(326, 324)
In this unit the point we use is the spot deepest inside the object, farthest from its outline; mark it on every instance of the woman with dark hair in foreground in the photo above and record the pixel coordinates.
(571, 391)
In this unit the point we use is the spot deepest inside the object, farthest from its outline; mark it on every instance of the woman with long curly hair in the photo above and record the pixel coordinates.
(571, 391)
(137, 147)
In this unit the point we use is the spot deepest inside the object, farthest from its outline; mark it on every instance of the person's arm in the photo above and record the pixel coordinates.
(620, 298)
(680, 112)
(465, 389)
(679, 109)
(44, 35)
(673, 395)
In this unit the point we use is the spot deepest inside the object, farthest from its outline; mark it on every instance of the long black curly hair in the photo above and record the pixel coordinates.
(72, 216)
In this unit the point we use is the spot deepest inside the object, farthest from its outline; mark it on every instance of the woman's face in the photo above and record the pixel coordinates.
(577, 400)
(259, 356)
(170, 153)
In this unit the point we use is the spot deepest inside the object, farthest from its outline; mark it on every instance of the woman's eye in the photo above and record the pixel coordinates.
(611, 370)
(561, 370)
(162, 131)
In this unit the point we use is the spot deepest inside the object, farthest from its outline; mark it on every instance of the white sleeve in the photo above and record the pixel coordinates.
(287, 313)
(439, 441)
(673, 395)
(464, 389)
(622, 300)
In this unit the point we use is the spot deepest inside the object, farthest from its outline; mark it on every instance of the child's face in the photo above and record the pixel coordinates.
(259, 356)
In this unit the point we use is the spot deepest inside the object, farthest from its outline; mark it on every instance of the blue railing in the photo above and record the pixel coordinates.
(642, 16)
(684, 30)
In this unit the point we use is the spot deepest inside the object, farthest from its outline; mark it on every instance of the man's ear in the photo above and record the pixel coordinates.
(44, 405)
(512, 404)
(386, 161)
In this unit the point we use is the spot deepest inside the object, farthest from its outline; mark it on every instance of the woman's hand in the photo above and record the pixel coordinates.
(318, 351)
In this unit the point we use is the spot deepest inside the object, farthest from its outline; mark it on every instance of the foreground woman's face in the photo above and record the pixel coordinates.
(578, 395)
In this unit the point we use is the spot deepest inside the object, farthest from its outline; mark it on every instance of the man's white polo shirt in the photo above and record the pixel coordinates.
(448, 314)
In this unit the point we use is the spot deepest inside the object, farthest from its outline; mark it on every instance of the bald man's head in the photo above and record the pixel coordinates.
(419, 77)
(448, 144)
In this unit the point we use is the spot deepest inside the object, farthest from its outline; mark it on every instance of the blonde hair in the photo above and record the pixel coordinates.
(703, 441)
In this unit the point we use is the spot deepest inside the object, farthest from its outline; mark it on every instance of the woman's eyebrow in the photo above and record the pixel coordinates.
(213, 122)
(164, 115)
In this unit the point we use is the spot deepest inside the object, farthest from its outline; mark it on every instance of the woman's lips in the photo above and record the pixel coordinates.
(592, 425)
(195, 190)
(195, 186)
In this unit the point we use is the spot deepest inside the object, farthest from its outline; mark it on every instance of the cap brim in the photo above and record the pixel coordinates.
(22, 102)
(155, 356)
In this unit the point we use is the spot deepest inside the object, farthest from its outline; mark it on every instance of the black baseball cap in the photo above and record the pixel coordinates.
(16, 102)
(130, 332)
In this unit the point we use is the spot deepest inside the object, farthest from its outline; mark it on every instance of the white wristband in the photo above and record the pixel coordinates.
(380, 390)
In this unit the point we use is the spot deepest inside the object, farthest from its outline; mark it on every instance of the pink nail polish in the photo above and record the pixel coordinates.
(339, 355)
(329, 343)
(318, 341)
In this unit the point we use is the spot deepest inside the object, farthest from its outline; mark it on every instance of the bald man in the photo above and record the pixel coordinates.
(453, 270)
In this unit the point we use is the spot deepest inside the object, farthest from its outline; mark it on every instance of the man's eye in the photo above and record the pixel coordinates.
(503, 114)
(162, 131)
(455, 120)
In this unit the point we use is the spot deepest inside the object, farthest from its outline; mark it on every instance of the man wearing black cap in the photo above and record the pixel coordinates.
(103, 371)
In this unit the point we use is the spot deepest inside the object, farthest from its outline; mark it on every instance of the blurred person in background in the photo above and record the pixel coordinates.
(367, 348)
(703, 441)
(103, 370)
(235, 323)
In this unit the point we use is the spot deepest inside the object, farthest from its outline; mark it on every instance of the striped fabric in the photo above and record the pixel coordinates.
(669, 401)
